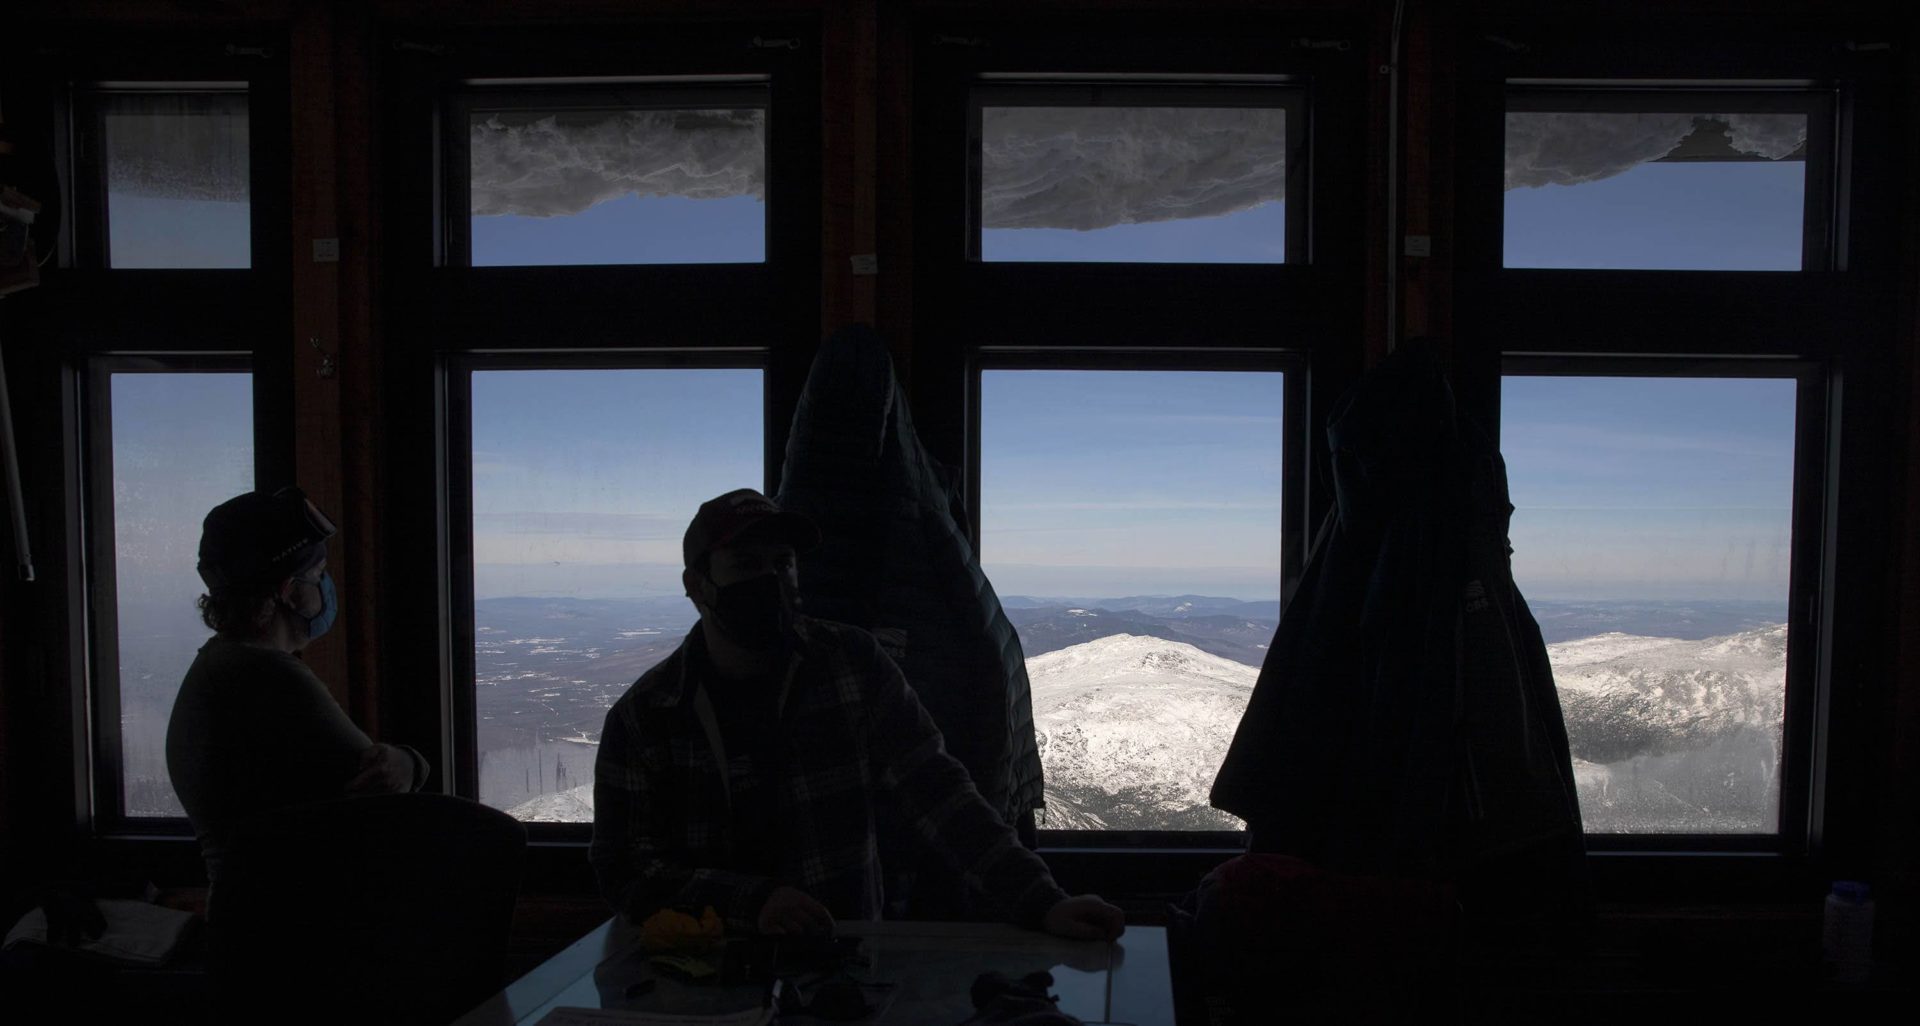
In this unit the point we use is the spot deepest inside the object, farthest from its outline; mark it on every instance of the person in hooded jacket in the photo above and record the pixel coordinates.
(744, 773)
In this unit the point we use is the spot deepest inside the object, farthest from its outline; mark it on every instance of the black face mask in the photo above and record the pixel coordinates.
(757, 613)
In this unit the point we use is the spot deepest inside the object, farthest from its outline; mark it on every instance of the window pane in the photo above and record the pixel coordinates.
(1652, 536)
(583, 482)
(1130, 520)
(1140, 184)
(1655, 191)
(618, 186)
(182, 444)
(177, 179)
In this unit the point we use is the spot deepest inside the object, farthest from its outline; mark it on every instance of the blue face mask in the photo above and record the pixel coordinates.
(322, 622)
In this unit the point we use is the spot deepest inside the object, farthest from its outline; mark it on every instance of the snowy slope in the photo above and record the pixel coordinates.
(1667, 734)
(1672, 735)
(1626, 696)
(574, 805)
(1132, 730)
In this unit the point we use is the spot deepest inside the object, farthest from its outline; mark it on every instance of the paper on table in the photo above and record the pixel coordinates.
(623, 1017)
(136, 932)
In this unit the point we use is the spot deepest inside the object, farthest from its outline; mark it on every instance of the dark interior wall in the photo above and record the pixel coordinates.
(1898, 744)
(365, 436)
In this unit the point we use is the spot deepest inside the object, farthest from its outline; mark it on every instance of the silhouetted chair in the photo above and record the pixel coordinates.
(390, 909)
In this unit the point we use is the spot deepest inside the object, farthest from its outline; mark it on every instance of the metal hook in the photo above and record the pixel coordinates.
(327, 367)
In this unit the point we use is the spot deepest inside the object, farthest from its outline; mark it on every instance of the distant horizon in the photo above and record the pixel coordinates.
(1683, 600)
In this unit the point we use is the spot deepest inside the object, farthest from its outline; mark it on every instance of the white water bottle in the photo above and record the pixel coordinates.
(1847, 943)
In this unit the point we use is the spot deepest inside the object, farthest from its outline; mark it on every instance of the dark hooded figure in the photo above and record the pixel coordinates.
(1405, 723)
(896, 559)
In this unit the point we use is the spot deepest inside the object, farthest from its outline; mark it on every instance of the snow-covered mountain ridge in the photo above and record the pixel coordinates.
(1675, 735)
(1626, 696)
(573, 805)
(1132, 730)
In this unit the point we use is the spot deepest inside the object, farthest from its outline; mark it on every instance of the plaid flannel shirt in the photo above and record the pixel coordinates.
(856, 736)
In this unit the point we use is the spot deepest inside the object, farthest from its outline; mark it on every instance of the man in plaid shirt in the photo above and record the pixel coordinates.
(746, 770)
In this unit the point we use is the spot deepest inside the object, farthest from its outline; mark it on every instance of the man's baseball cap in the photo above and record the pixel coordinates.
(744, 515)
(260, 537)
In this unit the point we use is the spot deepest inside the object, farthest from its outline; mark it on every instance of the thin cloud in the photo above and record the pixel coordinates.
(1525, 508)
(609, 526)
(1579, 436)
(1209, 419)
(1131, 506)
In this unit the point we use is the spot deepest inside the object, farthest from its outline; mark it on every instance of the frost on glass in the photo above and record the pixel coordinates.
(177, 179)
(182, 444)
(618, 186)
(1133, 184)
(1655, 191)
(1130, 521)
(583, 483)
(1652, 537)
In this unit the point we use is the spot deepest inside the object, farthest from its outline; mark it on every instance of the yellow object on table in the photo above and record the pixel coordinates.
(674, 930)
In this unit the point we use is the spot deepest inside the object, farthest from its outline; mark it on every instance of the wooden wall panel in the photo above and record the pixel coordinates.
(316, 309)
(849, 108)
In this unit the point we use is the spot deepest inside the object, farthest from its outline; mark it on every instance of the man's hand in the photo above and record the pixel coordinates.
(384, 769)
(1084, 917)
(790, 911)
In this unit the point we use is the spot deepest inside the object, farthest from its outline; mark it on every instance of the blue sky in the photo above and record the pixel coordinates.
(1739, 216)
(629, 230)
(146, 231)
(1650, 488)
(182, 443)
(584, 480)
(1094, 483)
(1111, 483)
(1257, 235)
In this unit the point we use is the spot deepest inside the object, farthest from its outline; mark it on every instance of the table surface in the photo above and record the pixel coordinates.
(927, 967)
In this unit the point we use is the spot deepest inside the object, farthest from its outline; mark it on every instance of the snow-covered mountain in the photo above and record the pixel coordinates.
(1045, 629)
(1673, 735)
(1668, 734)
(574, 805)
(1132, 730)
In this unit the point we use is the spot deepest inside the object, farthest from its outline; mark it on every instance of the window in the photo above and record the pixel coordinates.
(1123, 249)
(1131, 173)
(584, 480)
(1131, 521)
(1673, 438)
(171, 170)
(613, 237)
(1653, 535)
(642, 175)
(177, 439)
(1634, 179)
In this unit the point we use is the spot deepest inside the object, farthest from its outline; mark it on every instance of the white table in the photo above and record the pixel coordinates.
(930, 966)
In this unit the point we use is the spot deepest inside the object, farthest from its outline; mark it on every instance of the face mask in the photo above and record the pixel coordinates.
(321, 622)
(756, 614)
